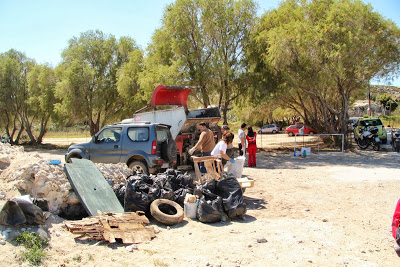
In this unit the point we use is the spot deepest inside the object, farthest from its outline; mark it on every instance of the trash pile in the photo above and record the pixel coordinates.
(216, 199)
(46, 182)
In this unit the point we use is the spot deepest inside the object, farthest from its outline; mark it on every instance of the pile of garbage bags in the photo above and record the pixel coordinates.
(217, 199)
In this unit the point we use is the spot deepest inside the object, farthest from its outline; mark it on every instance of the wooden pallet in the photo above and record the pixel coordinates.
(130, 227)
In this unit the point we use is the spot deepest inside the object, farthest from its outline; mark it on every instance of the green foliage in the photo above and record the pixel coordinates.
(322, 52)
(388, 101)
(34, 245)
(14, 94)
(202, 43)
(87, 77)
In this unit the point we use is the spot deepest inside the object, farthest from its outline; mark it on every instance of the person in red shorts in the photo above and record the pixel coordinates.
(251, 146)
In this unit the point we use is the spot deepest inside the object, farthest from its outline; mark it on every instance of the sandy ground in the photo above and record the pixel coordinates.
(328, 209)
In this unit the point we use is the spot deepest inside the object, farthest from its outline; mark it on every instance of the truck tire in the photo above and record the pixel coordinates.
(139, 166)
(168, 150)
(166, 211)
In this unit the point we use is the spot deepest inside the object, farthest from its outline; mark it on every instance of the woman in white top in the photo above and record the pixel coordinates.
(220, 148)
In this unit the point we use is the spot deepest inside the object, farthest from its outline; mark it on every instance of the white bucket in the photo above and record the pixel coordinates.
(190, 209)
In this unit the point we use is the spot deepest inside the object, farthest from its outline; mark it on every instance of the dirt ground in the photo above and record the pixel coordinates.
(328, 209)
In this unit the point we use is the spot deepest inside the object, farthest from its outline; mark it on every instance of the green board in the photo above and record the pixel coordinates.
(92, 189)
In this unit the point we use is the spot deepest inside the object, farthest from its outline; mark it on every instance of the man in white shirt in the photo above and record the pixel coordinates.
(242, 139)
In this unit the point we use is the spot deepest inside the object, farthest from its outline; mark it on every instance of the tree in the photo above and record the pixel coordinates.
(202, 43)
(41, 88)
(87, 78)
(14, 67)
(388, 102)
(320, 53)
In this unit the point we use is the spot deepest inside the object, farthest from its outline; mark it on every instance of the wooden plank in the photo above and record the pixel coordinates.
(91, 188)
(201, 159)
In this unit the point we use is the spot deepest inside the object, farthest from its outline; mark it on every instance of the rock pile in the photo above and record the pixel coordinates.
(41, 180)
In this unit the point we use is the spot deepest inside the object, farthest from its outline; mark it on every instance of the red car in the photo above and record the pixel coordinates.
(294, 129)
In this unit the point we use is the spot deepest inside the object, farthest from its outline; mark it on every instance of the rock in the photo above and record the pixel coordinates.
(42, 234)
(2, 242)
(58, 234)
(2, 195)
(262, 240)
(5, 159)
(131, 248)
(249, 245)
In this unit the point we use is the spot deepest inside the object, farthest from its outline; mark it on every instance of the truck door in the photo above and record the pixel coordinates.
(107, 148)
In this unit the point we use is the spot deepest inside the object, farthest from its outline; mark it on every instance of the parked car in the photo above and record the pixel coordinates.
(367, 122)
(294, 129)
(270, 128)
(145, 147)
(352, 122)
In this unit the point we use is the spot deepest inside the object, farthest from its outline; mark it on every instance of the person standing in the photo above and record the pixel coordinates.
(206, 143)
(252, 146)
(242, 139)
(230, 151)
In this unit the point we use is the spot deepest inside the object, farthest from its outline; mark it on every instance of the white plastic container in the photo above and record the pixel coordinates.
(190, 209)
(236, 168)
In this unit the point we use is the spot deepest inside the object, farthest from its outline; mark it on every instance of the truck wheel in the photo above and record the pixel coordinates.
(169, 150)
(166, 211)
(139, 166)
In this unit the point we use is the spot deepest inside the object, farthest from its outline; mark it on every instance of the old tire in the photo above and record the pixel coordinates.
(169, 150)
(139, 166)
(166, 211)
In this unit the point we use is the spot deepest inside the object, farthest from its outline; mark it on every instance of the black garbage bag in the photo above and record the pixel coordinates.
(231, 193)
(119, 191)
(210, 208)
(185, 180)
(154, 193)
(180, 195)
(167, 193)
(207, 186)
(237, 212)
(136, 200)
(140, 177)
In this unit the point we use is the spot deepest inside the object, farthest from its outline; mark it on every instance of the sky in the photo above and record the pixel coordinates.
(41, 28)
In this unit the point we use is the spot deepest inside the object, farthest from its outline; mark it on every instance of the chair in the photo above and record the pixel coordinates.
(213, 165)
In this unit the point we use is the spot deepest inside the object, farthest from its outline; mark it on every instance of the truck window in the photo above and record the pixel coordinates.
(138, 134)
(110, 135)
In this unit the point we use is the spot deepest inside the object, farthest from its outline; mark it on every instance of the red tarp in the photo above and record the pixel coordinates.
(170, 95)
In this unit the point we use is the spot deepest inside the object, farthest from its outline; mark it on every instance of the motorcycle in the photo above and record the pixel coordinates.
(369, 136)
(395, 140)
